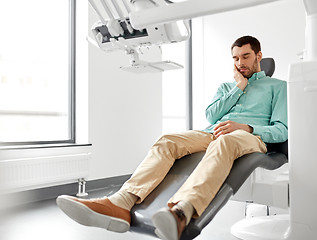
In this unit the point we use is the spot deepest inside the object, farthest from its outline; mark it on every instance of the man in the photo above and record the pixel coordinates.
(244, 115)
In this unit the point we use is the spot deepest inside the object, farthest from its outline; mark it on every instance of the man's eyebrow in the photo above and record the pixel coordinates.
(244, 55)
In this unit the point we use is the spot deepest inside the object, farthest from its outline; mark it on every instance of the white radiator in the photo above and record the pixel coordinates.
(42, 167)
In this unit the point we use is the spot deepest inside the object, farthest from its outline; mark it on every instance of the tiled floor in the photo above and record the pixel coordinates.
(43, 220)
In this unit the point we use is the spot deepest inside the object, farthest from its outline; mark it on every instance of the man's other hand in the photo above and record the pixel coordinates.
(230, 126)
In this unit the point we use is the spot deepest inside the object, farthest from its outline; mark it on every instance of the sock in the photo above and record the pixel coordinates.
(188, 209)
(123, 199)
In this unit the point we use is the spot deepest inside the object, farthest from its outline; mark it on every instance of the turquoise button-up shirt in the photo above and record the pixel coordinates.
(262, 105)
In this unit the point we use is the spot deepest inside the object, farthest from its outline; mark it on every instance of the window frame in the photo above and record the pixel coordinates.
(71, 84)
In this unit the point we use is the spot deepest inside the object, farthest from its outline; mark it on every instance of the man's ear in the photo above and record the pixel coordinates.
(259, 56)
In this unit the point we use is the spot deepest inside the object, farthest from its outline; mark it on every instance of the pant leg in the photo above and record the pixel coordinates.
(161, 158)
(205, 181)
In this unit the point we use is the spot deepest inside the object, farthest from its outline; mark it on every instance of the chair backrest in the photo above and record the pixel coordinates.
(268, 66)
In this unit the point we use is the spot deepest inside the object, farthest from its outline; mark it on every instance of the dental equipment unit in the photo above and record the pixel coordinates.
(117, 33)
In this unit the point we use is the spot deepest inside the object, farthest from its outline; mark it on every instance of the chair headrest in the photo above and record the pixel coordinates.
(268, 66)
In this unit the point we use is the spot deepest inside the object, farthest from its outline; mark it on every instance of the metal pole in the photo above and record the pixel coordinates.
(189, 81)
(81, 188)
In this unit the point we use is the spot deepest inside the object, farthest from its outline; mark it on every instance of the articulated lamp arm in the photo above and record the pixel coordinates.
(187, 10)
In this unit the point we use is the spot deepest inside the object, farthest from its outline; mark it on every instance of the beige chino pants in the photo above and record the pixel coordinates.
(205, 181)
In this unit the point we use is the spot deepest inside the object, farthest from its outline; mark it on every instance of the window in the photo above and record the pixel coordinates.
(37, 59)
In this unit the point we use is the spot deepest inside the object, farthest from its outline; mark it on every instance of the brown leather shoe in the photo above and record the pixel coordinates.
(169, 223)
(96, 213)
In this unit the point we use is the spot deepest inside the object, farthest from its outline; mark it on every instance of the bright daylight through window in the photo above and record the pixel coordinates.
(36, 68)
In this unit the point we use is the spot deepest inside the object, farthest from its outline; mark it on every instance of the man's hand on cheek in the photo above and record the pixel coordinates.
(239, 78)
(230, 126)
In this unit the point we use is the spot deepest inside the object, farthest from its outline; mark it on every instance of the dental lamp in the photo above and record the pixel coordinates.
(151, 22)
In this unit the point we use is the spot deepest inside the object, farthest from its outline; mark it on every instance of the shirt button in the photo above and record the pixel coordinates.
(244, 92)
(239, 94)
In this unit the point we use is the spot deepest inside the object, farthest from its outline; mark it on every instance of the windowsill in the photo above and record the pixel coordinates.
(39, 146)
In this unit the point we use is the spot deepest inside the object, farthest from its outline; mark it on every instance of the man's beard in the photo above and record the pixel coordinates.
(252, 70)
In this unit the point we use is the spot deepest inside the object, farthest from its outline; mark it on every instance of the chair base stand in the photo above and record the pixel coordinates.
(275, 227)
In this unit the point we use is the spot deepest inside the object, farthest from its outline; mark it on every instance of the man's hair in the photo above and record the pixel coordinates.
(255, 44)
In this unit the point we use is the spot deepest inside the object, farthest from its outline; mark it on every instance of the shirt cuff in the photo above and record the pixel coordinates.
(256, 129)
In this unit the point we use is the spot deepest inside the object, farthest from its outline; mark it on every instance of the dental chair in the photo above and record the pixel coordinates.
(242, 168)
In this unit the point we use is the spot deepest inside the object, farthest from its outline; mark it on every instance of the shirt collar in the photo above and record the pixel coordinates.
(256, 76)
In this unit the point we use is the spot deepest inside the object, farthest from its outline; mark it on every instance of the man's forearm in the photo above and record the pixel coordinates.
(222, 103)
(271, 134)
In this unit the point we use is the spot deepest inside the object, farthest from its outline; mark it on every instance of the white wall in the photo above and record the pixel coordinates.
(125, 112)
(280, 27)
(174, 89)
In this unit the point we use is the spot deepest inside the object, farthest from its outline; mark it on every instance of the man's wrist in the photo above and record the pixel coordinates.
(241, 85)
(250, 129)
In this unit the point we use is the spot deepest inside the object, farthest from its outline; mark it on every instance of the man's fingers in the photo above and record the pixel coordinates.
(228, 127)
(216, 132)
(221, 124)
(221, 132)
(218, 127)
(223, 128)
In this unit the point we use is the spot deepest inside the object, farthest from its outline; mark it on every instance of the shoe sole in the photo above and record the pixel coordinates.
(85, 216)
(165, 224)
(159, 234)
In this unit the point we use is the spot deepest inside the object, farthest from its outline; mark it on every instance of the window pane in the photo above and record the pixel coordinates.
(34, 70)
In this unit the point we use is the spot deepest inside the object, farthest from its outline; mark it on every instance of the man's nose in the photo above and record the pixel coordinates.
(241, 63)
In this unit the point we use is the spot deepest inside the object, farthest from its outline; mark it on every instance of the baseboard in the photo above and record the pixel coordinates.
(30, 196)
